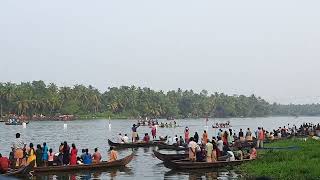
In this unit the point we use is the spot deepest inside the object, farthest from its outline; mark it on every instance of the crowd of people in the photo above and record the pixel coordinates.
(43, 156)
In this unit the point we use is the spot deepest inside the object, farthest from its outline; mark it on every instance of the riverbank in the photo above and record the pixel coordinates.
(302, 163)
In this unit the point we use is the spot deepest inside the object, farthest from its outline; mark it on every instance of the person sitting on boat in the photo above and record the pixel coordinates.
(146, 138)
(87, 157)
(169, 141)
(181, 141)
(96, 157)
(83, 151)
(79, 161)
(113, 156)
(18, 146)
(239, 154)
(253, 152)
(192, 149)
(230, 155)
(50, 157)
(125, 138)
(4, 164)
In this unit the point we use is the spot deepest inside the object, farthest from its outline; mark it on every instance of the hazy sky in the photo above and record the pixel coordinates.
(269, 48)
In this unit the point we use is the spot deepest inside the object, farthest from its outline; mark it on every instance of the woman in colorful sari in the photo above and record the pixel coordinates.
(39, 156)
(31, 156)
(45, 154)
(74, 152)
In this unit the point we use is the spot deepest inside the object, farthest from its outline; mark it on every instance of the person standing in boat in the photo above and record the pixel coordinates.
(154, 131)
(209, 151)
(18, 146)
(74, 152)
(66, 153)
(50, 157)
(196, 137)
(241, 136)
(248, 135)
(186, 134)
(205, 137)
(45, 154)
(4, 164)
(39, 155)
(31, 155)
(192, 149)
(134, 132)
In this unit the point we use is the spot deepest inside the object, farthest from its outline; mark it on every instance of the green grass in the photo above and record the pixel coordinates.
(303, 163)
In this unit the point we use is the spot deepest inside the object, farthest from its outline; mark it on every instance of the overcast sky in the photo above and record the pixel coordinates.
(269, 48)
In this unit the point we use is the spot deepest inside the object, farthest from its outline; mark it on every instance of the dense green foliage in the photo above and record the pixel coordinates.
(38, 98)
(282, 164)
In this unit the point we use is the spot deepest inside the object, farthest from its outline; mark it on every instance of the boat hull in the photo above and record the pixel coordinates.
(169, 157)
(186, 164)
(98, 166)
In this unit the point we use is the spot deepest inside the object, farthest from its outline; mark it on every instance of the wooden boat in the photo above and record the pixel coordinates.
(169, 157)
(186, 164)
(172, 147)
(132, 145)
(16, 123)
(102, 165)
(21, 172)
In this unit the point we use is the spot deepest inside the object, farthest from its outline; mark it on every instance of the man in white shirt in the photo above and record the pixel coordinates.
(192, 149)
(220, 146)
(125, 138)
(18, 146)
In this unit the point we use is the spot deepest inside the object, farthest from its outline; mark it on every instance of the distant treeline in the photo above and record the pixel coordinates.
(34, 98)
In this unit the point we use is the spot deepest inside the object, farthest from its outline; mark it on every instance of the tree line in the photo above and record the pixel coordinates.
(36, 97)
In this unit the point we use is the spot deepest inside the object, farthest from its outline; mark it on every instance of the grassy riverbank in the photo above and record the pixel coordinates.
(303, 163)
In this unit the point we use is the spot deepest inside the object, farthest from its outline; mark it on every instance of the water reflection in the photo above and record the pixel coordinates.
(209, 174)
(85, 175)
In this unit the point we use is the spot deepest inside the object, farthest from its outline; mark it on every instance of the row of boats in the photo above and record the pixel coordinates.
(176, 161)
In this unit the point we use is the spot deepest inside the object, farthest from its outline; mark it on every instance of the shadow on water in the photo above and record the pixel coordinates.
(209, 174)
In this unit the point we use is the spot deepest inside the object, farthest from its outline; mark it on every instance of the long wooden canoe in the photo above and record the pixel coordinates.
(169, 157)
(186, 164)
(172, 147)
(132, 145)
(16, 123)
(21, 172)
(101, 165)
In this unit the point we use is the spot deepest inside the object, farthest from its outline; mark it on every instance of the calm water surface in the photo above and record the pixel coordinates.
(94, 133)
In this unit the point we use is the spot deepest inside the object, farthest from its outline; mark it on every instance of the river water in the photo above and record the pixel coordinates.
(94, 133)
